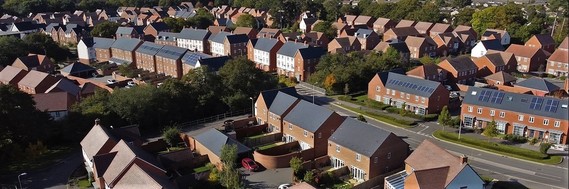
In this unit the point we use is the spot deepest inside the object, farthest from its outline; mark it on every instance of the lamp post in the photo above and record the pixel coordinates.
(313, 92)
(252, 107)
(459, 129)
(20, 182)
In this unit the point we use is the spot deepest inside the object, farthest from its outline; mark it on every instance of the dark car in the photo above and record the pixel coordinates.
(249, 164)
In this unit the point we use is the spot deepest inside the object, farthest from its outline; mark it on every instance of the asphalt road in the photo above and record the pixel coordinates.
(55, 176)
(529, 174)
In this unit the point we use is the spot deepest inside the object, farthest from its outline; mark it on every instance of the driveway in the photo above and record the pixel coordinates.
(269, 178)
(54, 177)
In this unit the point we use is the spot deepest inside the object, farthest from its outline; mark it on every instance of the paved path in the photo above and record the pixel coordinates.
(530, 174)
(54, 177)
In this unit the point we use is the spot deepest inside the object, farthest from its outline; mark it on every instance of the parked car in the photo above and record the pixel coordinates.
(111, 81)
(560, 147)
(285, 186)
(249, 164)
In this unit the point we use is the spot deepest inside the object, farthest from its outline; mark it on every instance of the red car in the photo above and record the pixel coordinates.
(249, 164)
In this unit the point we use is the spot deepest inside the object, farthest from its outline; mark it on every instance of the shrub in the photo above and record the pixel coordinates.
(392, 109)
(563, 77)
(544, 147)
(346, 98)
(362, 118)
(309, 177)
(392, 119)
(515, 138)
(533, 141)
(375, 104)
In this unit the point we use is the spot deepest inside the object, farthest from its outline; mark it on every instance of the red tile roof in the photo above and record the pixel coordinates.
(429, 156)
(11, 74)
(53, 102)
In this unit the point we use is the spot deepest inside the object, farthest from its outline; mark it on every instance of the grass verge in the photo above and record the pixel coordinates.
(502, 149)
(382, 118)
(201, 169)
(84, 183)
(268, 146)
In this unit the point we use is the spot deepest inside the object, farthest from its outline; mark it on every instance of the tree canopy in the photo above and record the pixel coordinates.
(10, 49)
(105, 29)
(246, 20)
(326, 28)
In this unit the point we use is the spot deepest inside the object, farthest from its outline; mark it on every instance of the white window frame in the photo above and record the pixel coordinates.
(520, 117)
(531, 119)
(502, 114)
(358, 157)
(545, 121)
(470, 108)
(556, 123)
(492, 112)
(305, 133)
(337, 148)
(479, 110)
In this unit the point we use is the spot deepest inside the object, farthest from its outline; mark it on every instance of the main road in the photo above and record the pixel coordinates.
(529, 174)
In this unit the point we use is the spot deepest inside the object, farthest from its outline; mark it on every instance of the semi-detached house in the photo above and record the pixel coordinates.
(285, 58)
(558, 62)
(228, 44)
(544, 118)
(265, 53)
(194, 40)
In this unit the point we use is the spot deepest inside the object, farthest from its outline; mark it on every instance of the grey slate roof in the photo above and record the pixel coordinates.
(124, 30)
(289, 48)
(360, 137)
(214, 63)
(265, 44)
(411, 85)
(282, 103)
(269, 95)
(65, 85)
(194, 34)
(308, 116)
(518, 103)
(127, 44)
(149, 48)
(493, 44)
(214, 140)
(237, 38)
(102, 43)
(191, 58)
(462, 63)
(539, 84)
(311, 52)
(167, 36)
(361, 32)
(171, 52)
(77, 67)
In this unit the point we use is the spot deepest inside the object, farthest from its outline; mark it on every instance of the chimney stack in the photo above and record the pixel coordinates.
(463, 159)
(97, 122)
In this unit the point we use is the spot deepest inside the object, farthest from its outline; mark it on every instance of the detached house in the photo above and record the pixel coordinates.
(362, 20)
(56, 104)
(311, 132)
(462, 70)
(151, 30)
(169, 61)
(558, 62)
(11, 75)
(413, 94)
(194, 40)
(399, 34)
(136, 32)
(430, 166)
(123, 51)
(447, 43)
(146, 56)
(501, 78)
(97, 141)
(36, 62)
(494, 62)
(367, 151)
(212, 141)
(429, 72)
(344, 45)
(265, 53)
(228, 44)
(440, 28)
(529, 58)
(421, 46)
(102, 48)
(467, 37)
(542, 41)
(315, 39)
(502, 35)
(36, 82)
(85, 51)
(483, 47)
(381, 25)
(538, 86)
(424, 27)
(368, 38)
(531, 116)
(306, 24)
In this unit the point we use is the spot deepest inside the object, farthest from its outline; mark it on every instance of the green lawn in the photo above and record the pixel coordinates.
(383, 118)
(84, 183)
(507, 150)
(268, 146)
(201, 169)
(257, 136)
(50, 157)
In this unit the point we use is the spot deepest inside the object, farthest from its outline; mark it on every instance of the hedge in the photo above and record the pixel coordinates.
(383, 117)
(492, 146)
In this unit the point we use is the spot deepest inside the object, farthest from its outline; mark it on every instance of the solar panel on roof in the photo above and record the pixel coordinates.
(414, 86)
(536, 103)
(481, 95)
(499, 98)
(551, 105)
(486, 96)
(431, 90)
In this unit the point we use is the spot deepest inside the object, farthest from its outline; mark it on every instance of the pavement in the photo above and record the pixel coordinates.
(529, 174)
(270, 178)
(55, 176)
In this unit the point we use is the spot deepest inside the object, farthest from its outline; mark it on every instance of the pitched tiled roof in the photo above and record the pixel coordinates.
(311, 52)
(171, 52)
(242, 30)
(126, 44)
(12, 74)
(159, 26)
(126, 155)
(139, 177)
(35, 78)
(411, 85)
(502, 77)
(167, 36)
(497, 33)
(77, 67)
(516, 102)
(424, 26)
(524, 51)
(54, 101)
(424, 70)
(381, 21)
(363, 32)
(289, 48)
(269, 95)
(493, 44)
(191, 58)
(214, 63)
(405, 31)
(214, 140)
(103, 161)
(413, 41)
(125, 30)
(194, 34)
(65, 85)
(544, 39)
(564, 44)
(149, 48)
(461, 63)
(405, 23)
(560, 55)
(539, 84)
(318, 115)
(269, 32)
(32, 60)
(401, 47)
(102, 43)
(95, 140)
(282, 103)
(360, 137)
(431, 178)
(266, 44)
(441, 28)
(429, 156)
(363, 19)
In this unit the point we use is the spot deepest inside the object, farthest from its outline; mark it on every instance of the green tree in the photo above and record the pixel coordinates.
(171, 136)
(332, 9)
(444, 118)
(491, 130)
(202, 19)
(229, 176)
(403, 8)
(427, 13)
(362, 118)
(176, 24)
(91, 5)
(10, 49)
(61, 5)
(309, 177)
(326, 28)
(105, 29)
(24, 7)
(460, 3)
(246, 20)
(544, 147)
(463, 17)
(39, 43)
(166, 3)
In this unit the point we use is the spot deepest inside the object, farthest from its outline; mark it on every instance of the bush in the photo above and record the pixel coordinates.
(346, 98)
(563, 77)
(375, 104)
(544, 147)
(533, 141)
(392, 119)
(392, 109)
(515, 138)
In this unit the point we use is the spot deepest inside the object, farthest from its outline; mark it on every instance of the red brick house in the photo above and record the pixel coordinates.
(305, 61)
(542, 41)
(368, 38)
(558, 62)
(429, 72)
(151, 30)
(270, 33)
(367, 151)
(363, 20)
(167, 38)
(531, 116)
(311, 132)
(421, 46)
(146, 56)
(529, 58)
(440, 28)
(264, 53)
(102, 48)
(538, 86)
(266, 99)
(36, 62)
(282, 104)
(228, 44)
(447, 43)
(123, 51)
(467, 37)
(169, 61)
(413, 94)
(399, 34)
(36, 82)
(344, 45)
(250, 32)
(494, 62)
(11, 75)
(315, 39)
(500, 78)
(462, 70)
(381, 25)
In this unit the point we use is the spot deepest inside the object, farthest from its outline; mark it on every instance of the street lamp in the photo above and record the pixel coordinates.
(313, 92)
(252, 107)
(20, 182)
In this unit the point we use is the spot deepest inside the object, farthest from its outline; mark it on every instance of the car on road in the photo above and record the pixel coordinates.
(249, 164)
(285, 186)
(111, 81)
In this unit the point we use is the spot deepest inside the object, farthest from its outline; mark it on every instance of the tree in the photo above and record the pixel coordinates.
(460, 3)
(332, 9)
(10, 49)
(403, 8)
(491, 130)
(39, 43)
(428, 13)
(296, 165)
(166, 3)
(171, 136)
(229, 175)
(24, 7)
(326, 28)
(463, 17)
(246, 20)
(61, 5)
(544, 147)
(176, 24)
(202, 19)
(105, 29)
(362, 118)
(444, 117)
(309, 177)
(91, 5)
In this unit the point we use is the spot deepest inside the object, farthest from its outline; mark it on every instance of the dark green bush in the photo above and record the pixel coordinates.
(515, 138)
